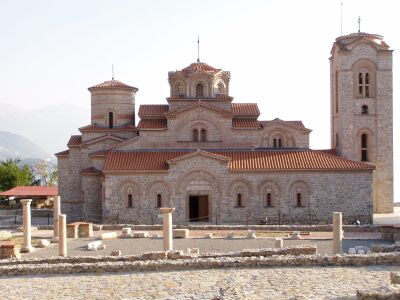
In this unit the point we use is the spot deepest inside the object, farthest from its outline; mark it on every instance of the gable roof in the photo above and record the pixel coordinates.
(104, 137)
(62, 153)
(241, 160)
(198, 104)
(199, 153)
(277, 121)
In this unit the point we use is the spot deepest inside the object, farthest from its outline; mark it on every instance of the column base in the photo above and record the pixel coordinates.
(27, 249)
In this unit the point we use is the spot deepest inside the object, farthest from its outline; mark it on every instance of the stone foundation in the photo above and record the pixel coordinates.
(9, 250)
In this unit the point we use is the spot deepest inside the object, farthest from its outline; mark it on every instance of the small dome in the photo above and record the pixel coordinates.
(113, 84)
(199, 66)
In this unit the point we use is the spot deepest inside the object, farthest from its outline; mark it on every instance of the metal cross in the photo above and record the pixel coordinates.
(359, 24)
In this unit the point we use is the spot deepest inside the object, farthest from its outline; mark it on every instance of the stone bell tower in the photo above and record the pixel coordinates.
(113, 104)
(362, 108)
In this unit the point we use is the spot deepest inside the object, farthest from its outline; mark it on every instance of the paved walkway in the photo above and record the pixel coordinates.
(267, 283)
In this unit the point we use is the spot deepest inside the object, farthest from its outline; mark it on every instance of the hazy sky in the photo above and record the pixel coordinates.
(277, 51)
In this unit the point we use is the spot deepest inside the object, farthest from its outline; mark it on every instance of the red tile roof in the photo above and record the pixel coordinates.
(152, 124)
(247, 160)
(151, 110)
(245, 109)
(94, 127)
(91, 171)
(329, 151)
(245, 123)
(29, 191)
(75, 140)
(62, 153)
(113, 84)
(197, 104)
(198, 66)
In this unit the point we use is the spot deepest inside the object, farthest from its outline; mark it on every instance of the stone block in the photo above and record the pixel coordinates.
(394, 278)
(140, 234)
(193, 251)
(175, 254)
(230, 236)
(278, 243)
(72, 231)
(126, 233)
(108, 235)
(361, 248)
(180, 233)
(85, 230)
(352, 251)
(116, 253)
(154, 255)
(9, 250)
(295, 235)
(43, 243)
(155, 236)
(94, 246)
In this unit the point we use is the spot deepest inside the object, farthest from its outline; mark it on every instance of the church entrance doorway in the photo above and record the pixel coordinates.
(198, 209)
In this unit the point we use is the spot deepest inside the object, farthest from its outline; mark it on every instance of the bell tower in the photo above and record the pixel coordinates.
(362, 108)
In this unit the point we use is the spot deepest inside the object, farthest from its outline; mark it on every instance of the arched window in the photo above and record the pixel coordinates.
(277, 143)
(364, 109)
(203, 135)
(195, 135)
(239, 202)
(364, 147)
(363, 84)
(110, 120)
(221, 88)
(268, 200)
(337, 139)
(130, 200)
(159, 201)
(199, 90)
(298, 200)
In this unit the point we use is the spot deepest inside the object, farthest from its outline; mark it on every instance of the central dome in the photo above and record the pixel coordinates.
(199, 66)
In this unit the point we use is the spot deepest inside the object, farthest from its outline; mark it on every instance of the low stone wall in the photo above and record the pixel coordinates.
(390, 232)
(200, 263)
(375, 295)
(347, 228)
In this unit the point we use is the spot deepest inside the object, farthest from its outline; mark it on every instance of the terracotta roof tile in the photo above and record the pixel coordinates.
(196, 104)
(62, 153)
(246, 160)
(75, 140)
(112, 84)
(153, 124)
(245, 109)
(151, 110)
(91, 171)
(94, 127)
(245, 123)
(198, 66)
(329, 151)
(27, 191)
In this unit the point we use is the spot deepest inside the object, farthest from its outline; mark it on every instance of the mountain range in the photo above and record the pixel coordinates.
(38, 132)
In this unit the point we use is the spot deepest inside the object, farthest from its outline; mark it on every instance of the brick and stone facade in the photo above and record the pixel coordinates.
(214, 160)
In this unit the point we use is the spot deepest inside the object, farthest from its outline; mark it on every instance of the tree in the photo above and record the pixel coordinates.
(44, 173)
(12, 175)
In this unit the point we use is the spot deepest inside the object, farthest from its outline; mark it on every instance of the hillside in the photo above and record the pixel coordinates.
(13, 146)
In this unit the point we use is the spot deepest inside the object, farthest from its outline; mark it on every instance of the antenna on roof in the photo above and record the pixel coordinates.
(198, 48)
(341, 18)
(359, 24)
(112, 71)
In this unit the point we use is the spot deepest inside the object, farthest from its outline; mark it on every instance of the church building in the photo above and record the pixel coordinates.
(215, 161)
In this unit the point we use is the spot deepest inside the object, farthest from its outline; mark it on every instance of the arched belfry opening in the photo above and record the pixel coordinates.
(110, 120)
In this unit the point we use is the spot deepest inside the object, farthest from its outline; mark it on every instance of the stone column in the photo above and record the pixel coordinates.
(27, 229)
(56, 213)
(62, 238)
(337, 233)
(167, 228)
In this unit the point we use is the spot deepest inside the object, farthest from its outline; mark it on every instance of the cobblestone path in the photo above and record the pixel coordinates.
(266, 283)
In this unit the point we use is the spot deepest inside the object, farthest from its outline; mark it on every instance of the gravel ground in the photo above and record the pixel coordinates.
(77, 247)
(265, 283)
